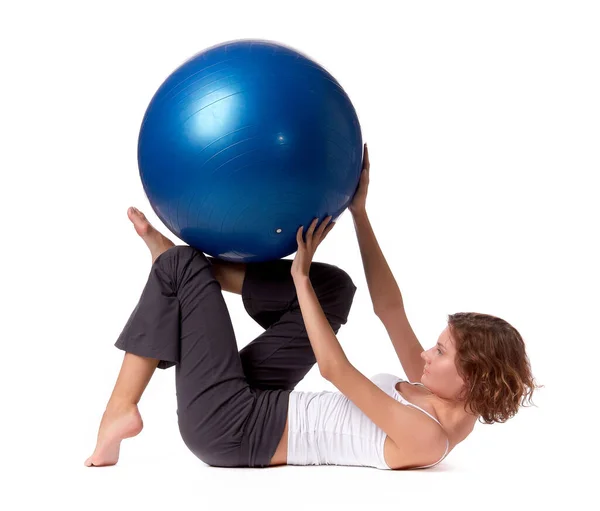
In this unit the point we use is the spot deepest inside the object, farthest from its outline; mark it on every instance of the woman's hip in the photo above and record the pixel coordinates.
(235, 428)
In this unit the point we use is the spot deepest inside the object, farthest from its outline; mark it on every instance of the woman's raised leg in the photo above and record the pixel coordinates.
(122, 418)
(182, 320)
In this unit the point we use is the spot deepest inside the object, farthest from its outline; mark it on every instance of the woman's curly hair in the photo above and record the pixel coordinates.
(491, 359)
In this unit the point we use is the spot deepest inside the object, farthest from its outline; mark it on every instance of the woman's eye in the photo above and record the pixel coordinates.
(439, 351)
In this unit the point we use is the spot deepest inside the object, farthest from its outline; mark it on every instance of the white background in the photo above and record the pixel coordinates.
(482, 120)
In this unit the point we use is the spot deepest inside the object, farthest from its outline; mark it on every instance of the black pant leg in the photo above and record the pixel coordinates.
(182, 319)
(282, 355)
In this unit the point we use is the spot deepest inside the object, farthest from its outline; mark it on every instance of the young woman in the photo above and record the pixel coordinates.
(239, 409)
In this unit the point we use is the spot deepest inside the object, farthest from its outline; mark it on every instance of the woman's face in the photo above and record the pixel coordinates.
(440, 374)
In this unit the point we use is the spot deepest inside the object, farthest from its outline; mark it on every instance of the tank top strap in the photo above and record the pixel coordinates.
(424, 411)
(427, 413)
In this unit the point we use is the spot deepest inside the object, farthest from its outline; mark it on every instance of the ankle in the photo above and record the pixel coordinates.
(118, 404)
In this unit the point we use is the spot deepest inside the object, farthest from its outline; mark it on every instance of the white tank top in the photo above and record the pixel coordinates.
(326, 428)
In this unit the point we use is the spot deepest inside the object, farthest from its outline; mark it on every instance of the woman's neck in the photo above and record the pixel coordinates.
(457, 422)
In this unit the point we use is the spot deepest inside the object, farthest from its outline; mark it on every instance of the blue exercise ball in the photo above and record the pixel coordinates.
(245, 142)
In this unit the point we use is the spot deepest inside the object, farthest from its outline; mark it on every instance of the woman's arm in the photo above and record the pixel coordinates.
(382, 285)
(328, 352)
(383, 289)
(388, 304)
(327, 349)
(418, 441)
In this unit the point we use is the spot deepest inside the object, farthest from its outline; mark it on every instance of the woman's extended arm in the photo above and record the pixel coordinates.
(328, 352)
(327, 349)
(383, 288)
(388, 304)
(385, 293)
(382, 285)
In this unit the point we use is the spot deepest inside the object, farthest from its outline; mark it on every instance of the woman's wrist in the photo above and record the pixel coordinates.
(359, 212)
(299, 277)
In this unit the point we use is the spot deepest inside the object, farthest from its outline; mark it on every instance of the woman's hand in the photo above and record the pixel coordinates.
(359, 201)
(306, 250)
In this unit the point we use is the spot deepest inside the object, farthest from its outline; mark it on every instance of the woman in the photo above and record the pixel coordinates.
(240, 409)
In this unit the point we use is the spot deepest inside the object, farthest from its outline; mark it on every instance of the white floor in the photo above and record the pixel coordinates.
(505, 465)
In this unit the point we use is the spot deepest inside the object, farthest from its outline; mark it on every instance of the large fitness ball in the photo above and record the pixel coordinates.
(244, 143)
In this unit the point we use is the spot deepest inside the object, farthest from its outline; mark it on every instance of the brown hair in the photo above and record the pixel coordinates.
(491, 359)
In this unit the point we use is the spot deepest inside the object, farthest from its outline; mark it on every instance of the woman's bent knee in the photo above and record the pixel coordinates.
(175, 252)
(335, 290)
(175, 260)
(330, 272)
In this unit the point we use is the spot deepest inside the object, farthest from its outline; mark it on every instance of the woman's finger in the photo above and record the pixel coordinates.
(329, 227)
(323, 225)
(311, 229)
(299, 236)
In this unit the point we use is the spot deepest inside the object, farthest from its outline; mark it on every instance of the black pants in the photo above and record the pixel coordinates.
(231, 406)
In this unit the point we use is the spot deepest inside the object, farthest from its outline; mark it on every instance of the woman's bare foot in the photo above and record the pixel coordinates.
(118, 422)
(156, 242)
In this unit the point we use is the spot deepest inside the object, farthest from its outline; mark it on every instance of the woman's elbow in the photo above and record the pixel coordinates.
(329, 370)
